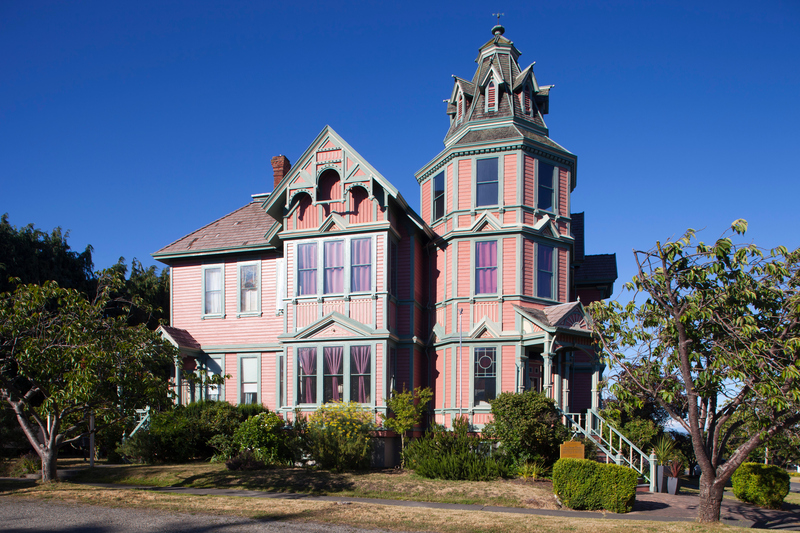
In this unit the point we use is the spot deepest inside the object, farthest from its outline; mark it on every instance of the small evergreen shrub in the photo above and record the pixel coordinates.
(456, 454)
(338, 436)
(528, 426)
(245, 461)
(762, 485)
(263, 436)
(589, 485)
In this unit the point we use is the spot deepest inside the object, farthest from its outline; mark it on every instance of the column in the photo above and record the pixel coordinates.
(548, 375)
(565, 381)
(557, 381)
(595, 387)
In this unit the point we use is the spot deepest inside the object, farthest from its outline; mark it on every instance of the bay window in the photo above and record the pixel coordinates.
(343, 378)
(485, 376)
(438, 196)
(307, 375)
(306, 269)
(346, 266)
(333, 269)
(544, 272)
(486, 267)
(545, 200)
(361, 261)
(486, 182)
(333, 376)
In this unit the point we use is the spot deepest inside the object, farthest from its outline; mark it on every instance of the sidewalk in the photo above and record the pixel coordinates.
(649, 506)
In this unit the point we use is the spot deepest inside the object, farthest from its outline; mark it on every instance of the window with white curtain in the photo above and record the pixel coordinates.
(249, 380)
(213, 290)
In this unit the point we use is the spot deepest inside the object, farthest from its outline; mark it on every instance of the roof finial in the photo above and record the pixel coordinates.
(498, 30)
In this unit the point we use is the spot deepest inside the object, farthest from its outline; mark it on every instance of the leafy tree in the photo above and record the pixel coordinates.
(63, 357)
(407, 408)
(34, 256)
(528, 426)
(147, 290)
(711, 331)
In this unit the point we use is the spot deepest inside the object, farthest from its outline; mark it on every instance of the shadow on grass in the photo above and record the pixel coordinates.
(10, 485)
(300, 480)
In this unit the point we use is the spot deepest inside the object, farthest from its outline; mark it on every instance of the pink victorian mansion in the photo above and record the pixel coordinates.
(332, 287)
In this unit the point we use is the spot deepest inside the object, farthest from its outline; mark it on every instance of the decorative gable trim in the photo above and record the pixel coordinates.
(334, 325)
(334, 222)
(486, 222)
(485, 329)
(547, 227)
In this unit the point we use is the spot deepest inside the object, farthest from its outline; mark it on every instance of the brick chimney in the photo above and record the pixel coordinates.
(280, 166)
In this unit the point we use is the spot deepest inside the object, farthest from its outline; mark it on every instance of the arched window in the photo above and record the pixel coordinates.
(328, 188)
(460, 113)
(305, 211)
(491, 97)
(527, 104)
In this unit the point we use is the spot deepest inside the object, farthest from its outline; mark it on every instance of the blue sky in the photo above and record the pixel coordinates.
(133, 124)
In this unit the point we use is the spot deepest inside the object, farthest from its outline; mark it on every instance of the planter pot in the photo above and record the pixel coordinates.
(673, 485)
(661, 478)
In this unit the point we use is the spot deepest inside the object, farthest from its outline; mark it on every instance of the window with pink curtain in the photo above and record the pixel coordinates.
(361, 265)
(360, 374)
(307, 375)
(334, 267)
(333, 379)
(306, 269)
(486, 267)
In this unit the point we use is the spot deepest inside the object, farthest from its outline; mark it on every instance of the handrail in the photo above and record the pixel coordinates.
(590, 424)
(143, 416)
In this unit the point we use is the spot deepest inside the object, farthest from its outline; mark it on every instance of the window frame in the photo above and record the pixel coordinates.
(488, 107)
(219, 360)
(204, 311)
(551, 188)
(328, 291)
(348, 374)
(240, 377)
(551, 272)
(494, 267)
(495, 181)
(475, 376)
(436, 198)
(298, 270)
(353, 265)
(239, 289)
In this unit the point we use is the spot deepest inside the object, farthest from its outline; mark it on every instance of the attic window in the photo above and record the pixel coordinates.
(527, 104)
(460, 111)
(491, 97)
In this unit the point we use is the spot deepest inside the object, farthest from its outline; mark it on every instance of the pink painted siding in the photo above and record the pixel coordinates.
(510, 179)
(381, 270)
(485, 309)
(464, 184)
(562, 228)
(403, 377)
(438, 270)
(268, 380)
(419, 322)
(528, 275)
(463, 268)
(563, 191)
(392, 316)
(306, 214)
(379, 314)
(563, 271)
(509, 217)
(187, 305)
(448, 287)
(306, 313)
(449, 225)
(464, 221)
(448, 326)
(482, 418)
(333, 306)
(529, 181)
(361, 310)
(232, 384)
(360, 206)
(404, 268)
(528, 218)
(441, 315)
(438, 379)
(510, 266)
(331, 155)
(426, 201)
(448, 190)
(509, 316)
(509, 369)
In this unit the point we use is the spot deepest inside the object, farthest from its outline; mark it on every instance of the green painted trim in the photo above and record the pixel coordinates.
(214, 251)
(231, 348)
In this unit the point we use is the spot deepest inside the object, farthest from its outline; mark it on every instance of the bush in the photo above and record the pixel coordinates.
(456, 454)
(338, 436)
(264, 437)
(589, 485)
(763, 485)
(528, 426)
(245, 461)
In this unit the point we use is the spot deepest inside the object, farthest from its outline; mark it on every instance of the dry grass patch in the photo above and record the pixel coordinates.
(356, 514)
(387, 484)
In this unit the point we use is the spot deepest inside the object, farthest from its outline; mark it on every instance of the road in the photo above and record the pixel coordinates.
(34, 516)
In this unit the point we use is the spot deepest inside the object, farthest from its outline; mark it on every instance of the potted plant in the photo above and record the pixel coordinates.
(663, 450)
(675, 470)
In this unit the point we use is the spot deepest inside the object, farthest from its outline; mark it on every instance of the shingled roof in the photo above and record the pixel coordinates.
(597, 268)
(242, 230)
(551, 315)
(180, 337)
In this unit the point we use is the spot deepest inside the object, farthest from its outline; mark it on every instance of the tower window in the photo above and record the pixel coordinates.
(438, 196)
(486, 191)
(545, 200)
(491, 97)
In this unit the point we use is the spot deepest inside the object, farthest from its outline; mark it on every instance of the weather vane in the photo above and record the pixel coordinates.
(498, 15)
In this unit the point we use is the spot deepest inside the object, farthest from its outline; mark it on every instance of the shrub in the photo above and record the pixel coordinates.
(528, 426)
(245, 461)
(763, 485)
(456, 454)
(264, 437)
(338, 436)
(589, 485)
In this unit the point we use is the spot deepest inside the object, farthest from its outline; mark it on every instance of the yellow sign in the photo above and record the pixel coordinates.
(572, 450)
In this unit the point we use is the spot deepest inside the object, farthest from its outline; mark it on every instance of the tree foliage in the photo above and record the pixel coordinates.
(710, 331)
(407, 408)
(63, 356)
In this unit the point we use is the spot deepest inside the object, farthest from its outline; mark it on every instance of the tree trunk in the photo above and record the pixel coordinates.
(711, 491)
(49, 457)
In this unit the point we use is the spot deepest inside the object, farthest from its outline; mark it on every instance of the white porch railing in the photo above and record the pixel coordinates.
(142, 420)
(613, 443)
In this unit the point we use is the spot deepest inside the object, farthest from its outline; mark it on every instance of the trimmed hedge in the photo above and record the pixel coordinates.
(587, 484)
(763, 485)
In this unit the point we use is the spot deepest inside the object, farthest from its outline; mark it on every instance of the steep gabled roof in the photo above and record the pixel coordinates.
(239, 231)
(597, 268)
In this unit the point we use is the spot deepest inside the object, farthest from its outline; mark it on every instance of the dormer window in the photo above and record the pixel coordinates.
(526, 101)
(460, 105)
(491, 96)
